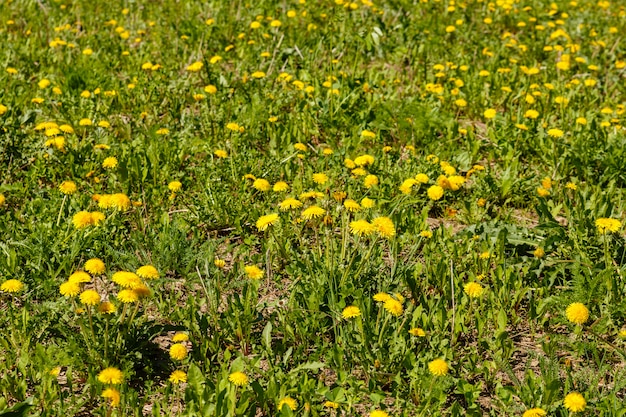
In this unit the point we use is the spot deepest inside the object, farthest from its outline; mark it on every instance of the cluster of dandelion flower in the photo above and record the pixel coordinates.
(111, 376)
(391, 303)
(84, 219)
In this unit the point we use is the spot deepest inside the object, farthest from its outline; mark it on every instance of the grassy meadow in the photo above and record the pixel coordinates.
(377, 208)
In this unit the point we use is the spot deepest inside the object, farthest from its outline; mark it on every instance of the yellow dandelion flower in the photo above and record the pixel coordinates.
(370, 181)
(362, 228)
(605, 225)
(195, 67)
(178, 351)
(106, 307)
(535, 412)
(95, 266)
(178, 377)
(112, 395)
(253, 272)
(577, 313)
(438, 367)
(351, 205)
(280, 186)
(266, 221)
(574, 402)
(126, 279)
(90, 297)
(393, 306)
(367, 203)
(473, 289)
(435, 192)
(490, 113)
(539, 253)
(69, 289)
(289, 203)
(331, 404)
(381, 297)
(180, 337)
(110, 162)
(261, 184)
(542, 192)
(12, 286)
(68, 187)
(350, 312)
(289, 402)
(82, 219)
(128, 296)
(174, 186)
(220, 153)
(417, 331)
(112, 376)
(148, 272)
(320, 178)
(385, 227)
(378, 413)
(555, 133)
(238, 378)
(313, 212)
(79, 277)
(364, 160)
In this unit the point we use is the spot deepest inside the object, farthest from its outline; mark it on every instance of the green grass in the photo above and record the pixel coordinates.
(335, 81)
